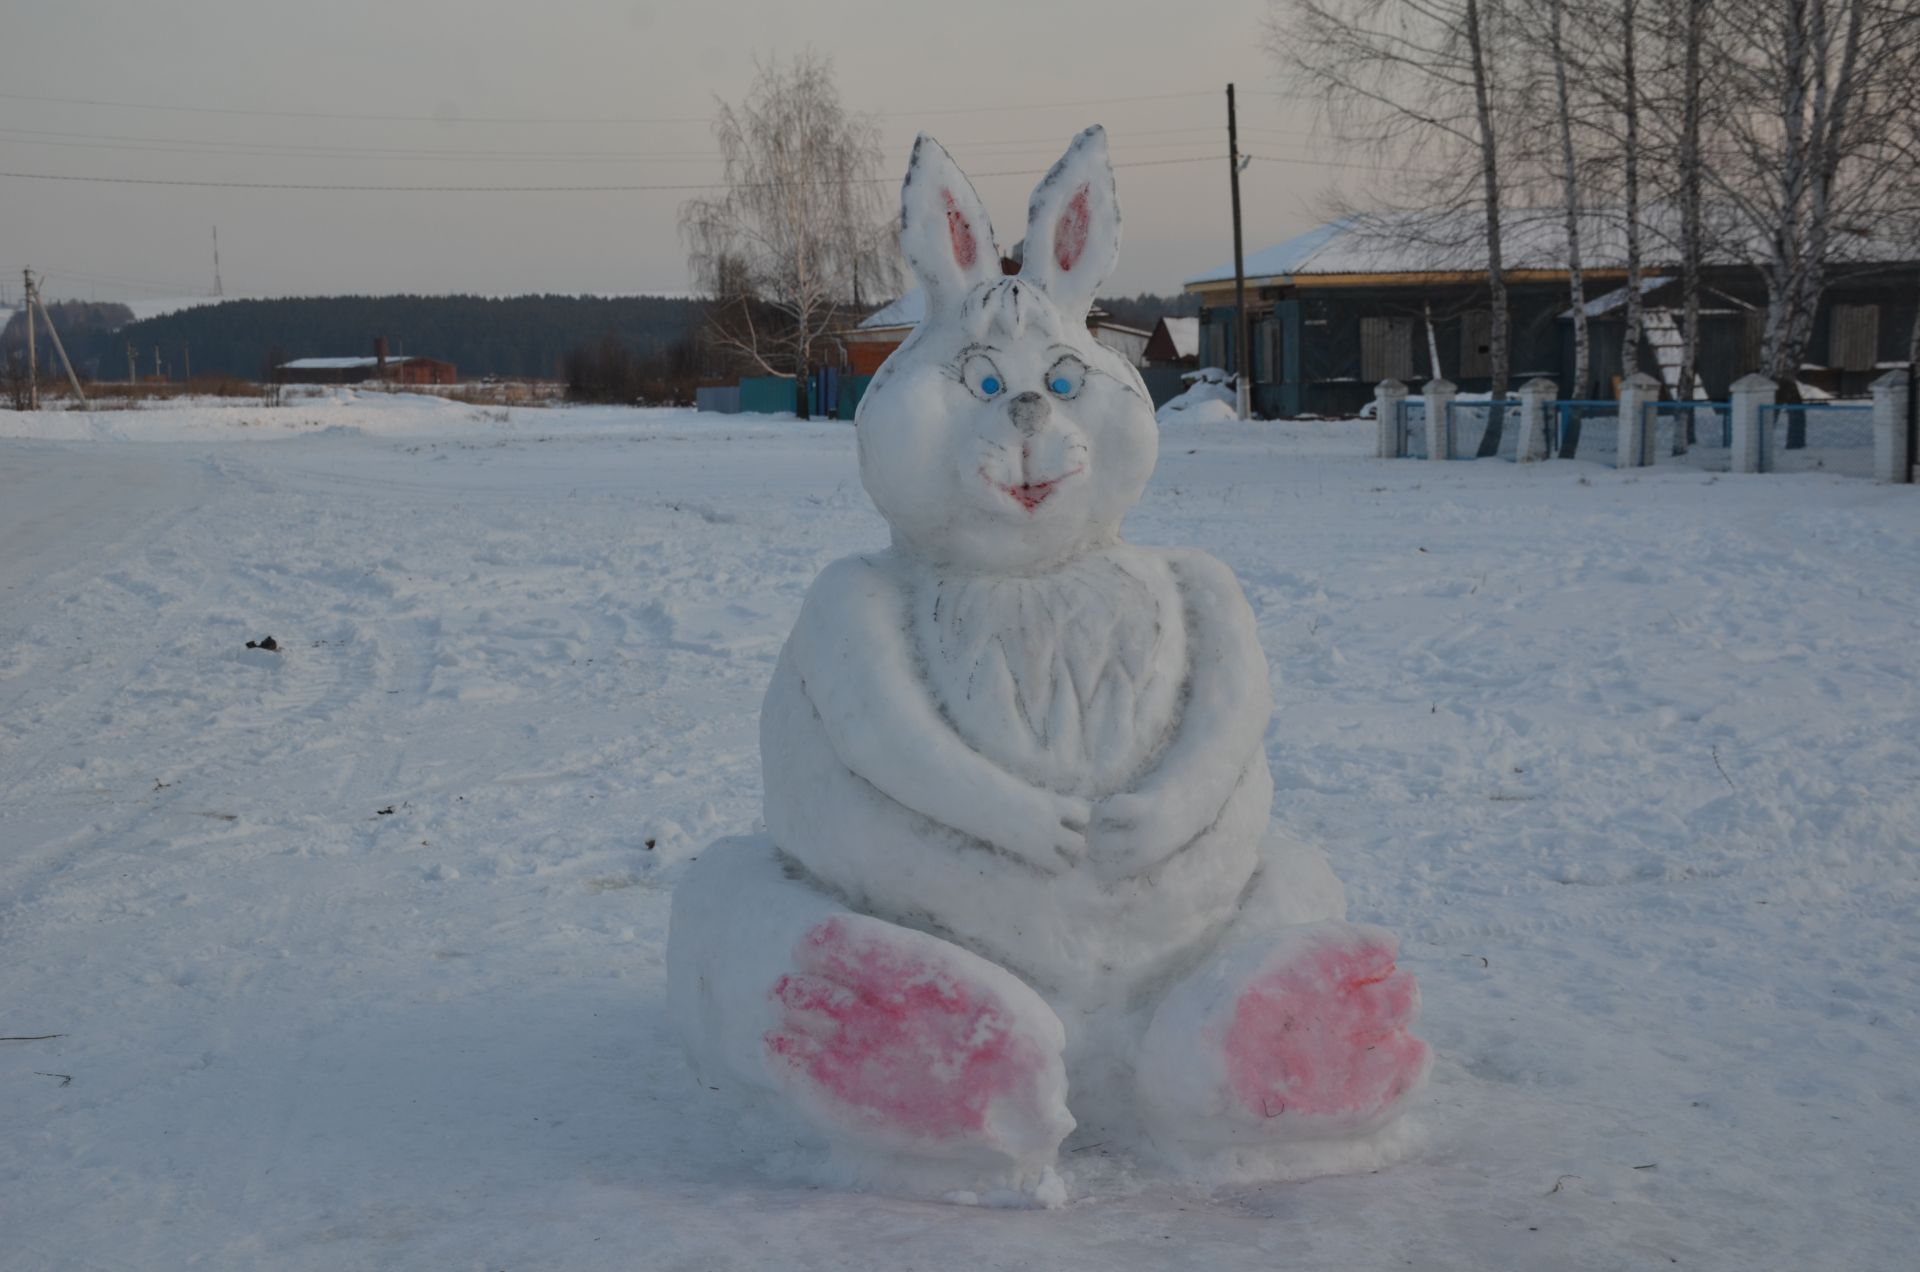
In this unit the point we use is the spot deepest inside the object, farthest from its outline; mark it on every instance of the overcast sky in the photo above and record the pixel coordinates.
(468, 93)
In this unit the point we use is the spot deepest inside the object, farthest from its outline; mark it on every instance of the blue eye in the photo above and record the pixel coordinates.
(1066, 377)
(981, 377)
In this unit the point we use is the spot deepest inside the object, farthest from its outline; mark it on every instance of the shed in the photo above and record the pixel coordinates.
(1175, 342)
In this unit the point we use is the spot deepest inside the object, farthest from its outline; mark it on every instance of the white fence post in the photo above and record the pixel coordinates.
(1637, 432)
(1890, 426)
(1388, 398)
(1439, 395)
(1536, 396)
(1750, 393)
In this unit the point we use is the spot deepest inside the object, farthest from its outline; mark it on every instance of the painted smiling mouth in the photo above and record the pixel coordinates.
(1031, 494)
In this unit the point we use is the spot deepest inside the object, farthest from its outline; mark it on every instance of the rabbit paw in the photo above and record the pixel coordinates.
(900, 1040)
(1130, 833)
(1310, 1040)
(1047, 831)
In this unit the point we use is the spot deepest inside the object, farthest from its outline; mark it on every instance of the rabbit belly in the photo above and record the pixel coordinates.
(1070, 936)
(1070, 679)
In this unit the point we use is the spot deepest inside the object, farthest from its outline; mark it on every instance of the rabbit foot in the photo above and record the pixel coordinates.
(1308, 1039)
(901, 1041)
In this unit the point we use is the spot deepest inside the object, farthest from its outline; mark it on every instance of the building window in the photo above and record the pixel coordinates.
(1853, 337)
(1386, 349)
(1476, 343)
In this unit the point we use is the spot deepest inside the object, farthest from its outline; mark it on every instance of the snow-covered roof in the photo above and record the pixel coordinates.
(907, 311)
(1531, 238)
(340, 364)
(1617, 298)
(1185, 335)
(1426, 242)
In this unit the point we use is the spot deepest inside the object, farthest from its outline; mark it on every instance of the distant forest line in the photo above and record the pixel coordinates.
(515, 336)
(518, 337)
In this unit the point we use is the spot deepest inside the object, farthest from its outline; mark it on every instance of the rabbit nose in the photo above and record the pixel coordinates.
(1029, 411)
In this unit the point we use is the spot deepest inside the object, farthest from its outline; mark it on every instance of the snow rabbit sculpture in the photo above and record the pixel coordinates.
(1017, 869)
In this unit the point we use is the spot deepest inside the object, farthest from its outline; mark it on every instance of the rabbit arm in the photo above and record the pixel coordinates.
(857, 669)
(1221, 728)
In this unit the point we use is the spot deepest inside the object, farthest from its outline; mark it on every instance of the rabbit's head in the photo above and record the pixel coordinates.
(1001, 436)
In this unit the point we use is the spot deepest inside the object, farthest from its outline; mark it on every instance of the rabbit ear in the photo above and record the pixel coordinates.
(1073, 226)
(944, 231)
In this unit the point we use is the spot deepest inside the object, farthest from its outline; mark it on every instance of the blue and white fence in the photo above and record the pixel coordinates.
(1824, 437)
(1587, 430)
(1708, 427)
(1413, 428)
(1483, 430)
(1437, 426)
(1749, 433)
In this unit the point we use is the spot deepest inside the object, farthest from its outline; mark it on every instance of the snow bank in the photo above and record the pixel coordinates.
(1209, 399)
(1636, 748)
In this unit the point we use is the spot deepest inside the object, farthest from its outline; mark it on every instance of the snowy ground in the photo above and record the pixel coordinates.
(356, 951)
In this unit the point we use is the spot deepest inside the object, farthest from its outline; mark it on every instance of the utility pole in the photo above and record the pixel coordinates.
(33, 364)
(33, 300)
(217, 291)
(1243, 358)
(133, 375)
(157, 374)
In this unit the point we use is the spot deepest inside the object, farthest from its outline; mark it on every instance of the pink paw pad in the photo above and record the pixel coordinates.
(896, 1038)
(1324, 1037)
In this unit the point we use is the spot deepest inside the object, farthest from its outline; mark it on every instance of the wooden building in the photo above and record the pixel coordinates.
(377, 367)
(1340, 308)
(327, 370)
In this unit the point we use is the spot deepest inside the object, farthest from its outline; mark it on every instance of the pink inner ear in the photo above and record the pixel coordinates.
(959, 231)
(1070, 231)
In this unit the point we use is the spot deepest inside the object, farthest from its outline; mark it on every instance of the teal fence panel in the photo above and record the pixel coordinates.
(767, 395)
(1163, 384)
(852, 389)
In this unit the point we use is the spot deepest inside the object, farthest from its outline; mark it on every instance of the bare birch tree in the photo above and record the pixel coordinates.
(1692, 234)
(1629, 107)
(1405, 76)
(1802, 144)
(1671, 146)
(1569, 196)
(802, 225)
(1900, 145)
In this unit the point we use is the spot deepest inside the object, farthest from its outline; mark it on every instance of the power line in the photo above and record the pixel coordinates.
(259, 150)
(565, 120)
(503, 189)
(31, 136)
(682, 187)
(1091, 101)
